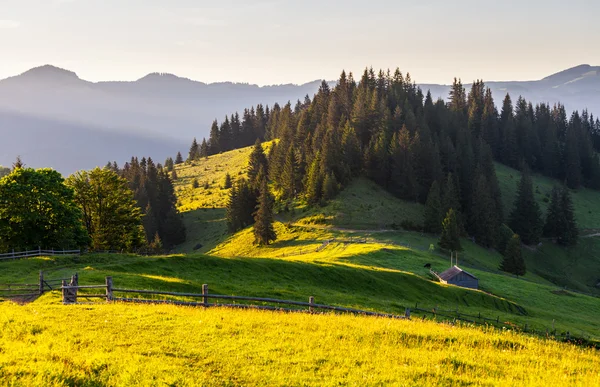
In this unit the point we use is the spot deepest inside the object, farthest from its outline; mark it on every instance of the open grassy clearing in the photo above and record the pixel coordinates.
(585, 201)
(166, 345)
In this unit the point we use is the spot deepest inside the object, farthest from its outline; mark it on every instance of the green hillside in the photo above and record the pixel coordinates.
(370, 262)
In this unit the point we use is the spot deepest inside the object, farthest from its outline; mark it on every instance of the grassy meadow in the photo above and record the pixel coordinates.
(124, 345)
(352, 252)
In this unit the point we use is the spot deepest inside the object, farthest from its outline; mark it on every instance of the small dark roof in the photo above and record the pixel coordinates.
(453, 272)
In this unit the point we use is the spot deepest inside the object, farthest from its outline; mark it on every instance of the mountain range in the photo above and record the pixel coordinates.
(52, 118)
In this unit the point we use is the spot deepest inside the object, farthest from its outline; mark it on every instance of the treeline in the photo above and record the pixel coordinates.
(435, 152)
(233, 133)
(154, 194)
(130, 209)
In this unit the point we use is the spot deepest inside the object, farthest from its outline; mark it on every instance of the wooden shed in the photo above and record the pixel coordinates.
(457, 276)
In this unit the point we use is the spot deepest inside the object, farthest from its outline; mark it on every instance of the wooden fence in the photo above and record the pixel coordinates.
(37, 253)
(27, 292)
(71, 295)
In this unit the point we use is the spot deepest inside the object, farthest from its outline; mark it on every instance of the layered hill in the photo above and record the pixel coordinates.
(166, 108)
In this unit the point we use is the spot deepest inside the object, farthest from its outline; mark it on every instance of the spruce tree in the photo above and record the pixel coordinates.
(174, 175)
(560, 219)
(194, 151)
(214, 145)
(433, 210)
(204, 150)
(450, 239)
(314, 182)
(483, 222)
(525, 218)
(179, 158)
(571, 233)
(195, 183)
(232, 212)
(227, 182)
(330, 186)
(504, 236)
(513, 261)
(264, 233)
(258, 161)
(288, 176)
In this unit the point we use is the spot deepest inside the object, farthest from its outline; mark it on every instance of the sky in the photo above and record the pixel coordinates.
(278, 41)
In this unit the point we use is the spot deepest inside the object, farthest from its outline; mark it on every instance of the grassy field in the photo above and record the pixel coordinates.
(128, 345)
(585, 201)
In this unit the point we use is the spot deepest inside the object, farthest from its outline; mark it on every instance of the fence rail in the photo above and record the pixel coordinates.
(25, 292)
(37, 253)
(71, 295)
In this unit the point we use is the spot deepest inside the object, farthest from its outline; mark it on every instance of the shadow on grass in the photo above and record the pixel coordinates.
(331, 283)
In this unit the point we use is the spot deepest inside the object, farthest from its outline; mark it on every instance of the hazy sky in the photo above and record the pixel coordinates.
(270, 42)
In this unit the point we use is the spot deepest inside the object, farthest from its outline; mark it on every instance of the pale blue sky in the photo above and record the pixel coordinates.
(278, 41)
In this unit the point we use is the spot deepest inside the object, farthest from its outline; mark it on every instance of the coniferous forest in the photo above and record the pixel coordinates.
(437, 153)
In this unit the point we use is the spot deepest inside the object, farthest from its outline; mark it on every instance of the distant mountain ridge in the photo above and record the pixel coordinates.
(49, 104)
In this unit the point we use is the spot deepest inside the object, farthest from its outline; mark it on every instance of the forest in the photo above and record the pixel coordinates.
(438, 153)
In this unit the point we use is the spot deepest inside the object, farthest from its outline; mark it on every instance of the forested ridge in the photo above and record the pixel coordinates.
(434, 152)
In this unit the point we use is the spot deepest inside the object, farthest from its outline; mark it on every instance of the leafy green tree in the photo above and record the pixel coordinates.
(38, 209)
(525, 218)
(513, 261)
(264, 233)
(450, 239)
(110, 212)
(433, 210)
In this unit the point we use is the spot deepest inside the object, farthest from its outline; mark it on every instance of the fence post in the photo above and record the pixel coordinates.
(407, 313)
(205, 293)
(311, 301)
(64, 291)
(41, 282)
(109, 289)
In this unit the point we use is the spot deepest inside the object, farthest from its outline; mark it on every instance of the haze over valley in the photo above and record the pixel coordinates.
(51, 117)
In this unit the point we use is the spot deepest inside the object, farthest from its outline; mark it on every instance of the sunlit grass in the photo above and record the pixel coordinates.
(129, 345)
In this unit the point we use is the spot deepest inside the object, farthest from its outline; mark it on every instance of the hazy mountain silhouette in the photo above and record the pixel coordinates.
(51, 117)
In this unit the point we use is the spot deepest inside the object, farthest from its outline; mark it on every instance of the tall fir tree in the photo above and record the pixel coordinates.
(257, 161)
(433, 210)
(194, 153)
(513, 261)
(525, 218)
(450, 239)
(264, 232)
(289, 180)
(179, 158)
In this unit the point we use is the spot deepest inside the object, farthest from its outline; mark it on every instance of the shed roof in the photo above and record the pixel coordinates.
(453, 272)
